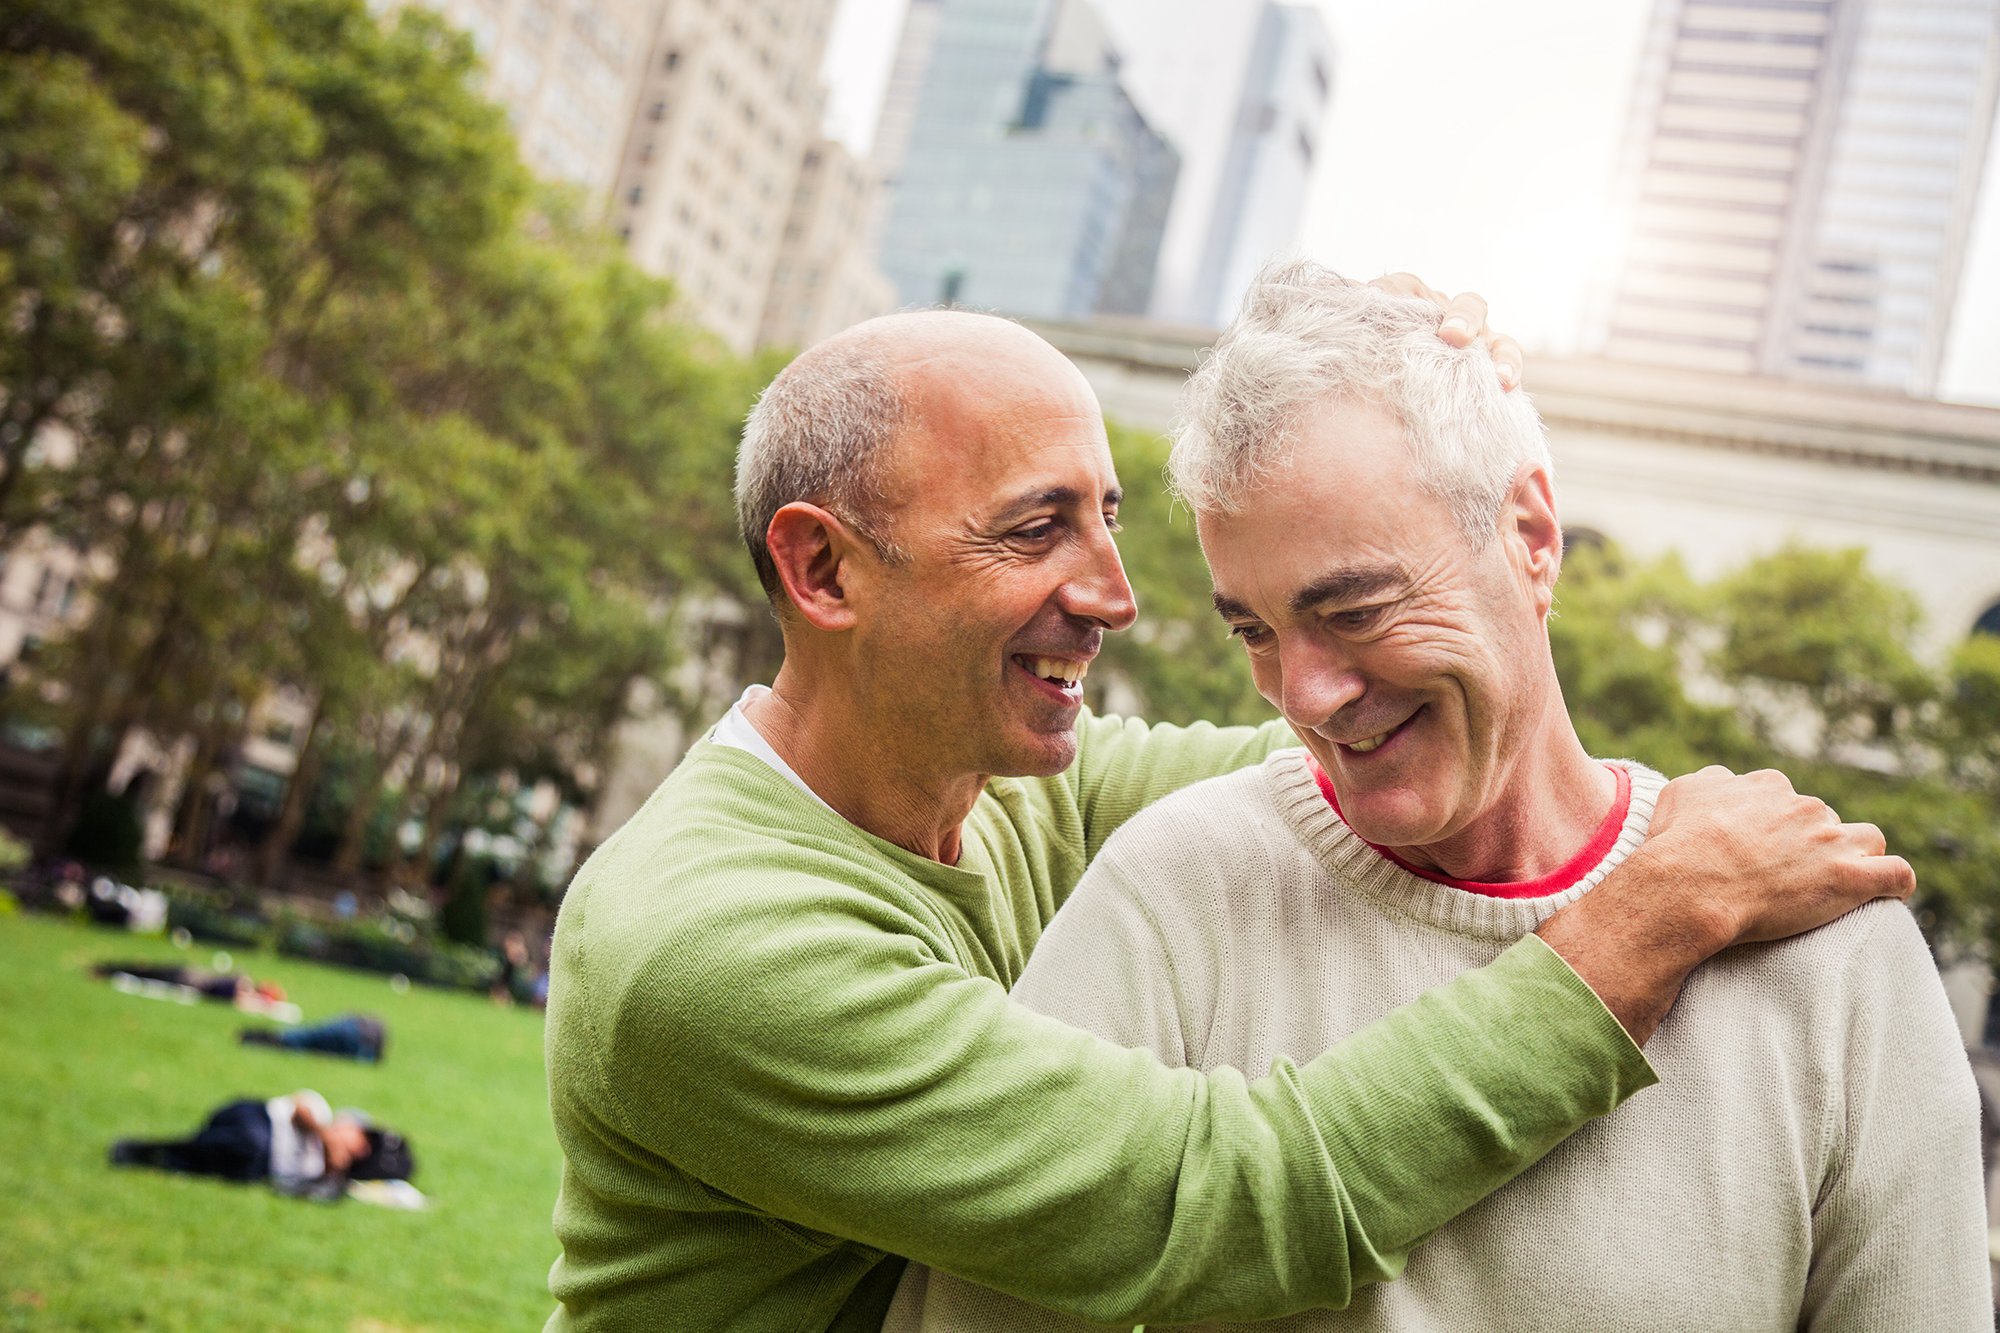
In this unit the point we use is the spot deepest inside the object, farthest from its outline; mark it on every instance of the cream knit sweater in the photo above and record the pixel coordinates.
(1810, 1159)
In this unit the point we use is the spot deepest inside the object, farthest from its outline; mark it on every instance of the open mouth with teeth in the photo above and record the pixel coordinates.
(1063, 674)
(1374, 743)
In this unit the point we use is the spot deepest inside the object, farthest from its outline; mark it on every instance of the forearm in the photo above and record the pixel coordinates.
(958, 1129)
(1634, 939)
(1728, 860)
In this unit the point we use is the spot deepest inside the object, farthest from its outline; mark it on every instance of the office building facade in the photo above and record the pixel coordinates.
(1800, 182)
(1243, 92)
(567, 73)
(730, 103)
(1027, 179)
(825, 278)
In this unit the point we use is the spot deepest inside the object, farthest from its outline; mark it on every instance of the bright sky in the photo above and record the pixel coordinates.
(1471, 143)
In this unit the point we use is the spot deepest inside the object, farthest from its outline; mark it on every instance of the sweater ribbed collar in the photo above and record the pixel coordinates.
(1294, 787)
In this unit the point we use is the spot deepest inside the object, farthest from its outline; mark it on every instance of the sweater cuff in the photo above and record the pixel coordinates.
(1530, 962)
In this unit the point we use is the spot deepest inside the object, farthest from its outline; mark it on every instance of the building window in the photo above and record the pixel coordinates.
(657, 111)
(672, 59)
(635, 194)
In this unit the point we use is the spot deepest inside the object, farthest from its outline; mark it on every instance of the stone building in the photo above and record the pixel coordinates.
(567, 72)
(1800, 178)
(825, 278)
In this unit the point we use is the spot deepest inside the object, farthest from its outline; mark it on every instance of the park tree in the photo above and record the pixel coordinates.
(1802, 660)
(336, 403)
(1813, 638)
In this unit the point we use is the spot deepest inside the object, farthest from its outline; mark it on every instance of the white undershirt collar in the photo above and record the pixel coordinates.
(738, 732)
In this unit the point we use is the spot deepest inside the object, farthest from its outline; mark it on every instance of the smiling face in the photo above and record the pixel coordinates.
(1413, 665)
(1005, 502)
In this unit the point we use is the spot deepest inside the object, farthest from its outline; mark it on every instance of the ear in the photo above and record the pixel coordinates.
(815, 554)
(1534, 533)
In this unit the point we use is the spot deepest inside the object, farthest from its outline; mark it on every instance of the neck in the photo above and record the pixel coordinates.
(1553, 796)
(855, 765)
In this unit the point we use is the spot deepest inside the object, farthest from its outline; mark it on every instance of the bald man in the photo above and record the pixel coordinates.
(781, 1054)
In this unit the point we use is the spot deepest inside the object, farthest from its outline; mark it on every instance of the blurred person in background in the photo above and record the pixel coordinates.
(362, 1037)
(296, 1143)
(517, 981)
(229, 987)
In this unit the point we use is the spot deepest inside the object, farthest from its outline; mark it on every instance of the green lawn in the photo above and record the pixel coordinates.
(84, 1246)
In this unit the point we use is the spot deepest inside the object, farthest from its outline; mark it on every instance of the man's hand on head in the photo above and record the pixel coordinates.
(1728, 860)
(1463, 323)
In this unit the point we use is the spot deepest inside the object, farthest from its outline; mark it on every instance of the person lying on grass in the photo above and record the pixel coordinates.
(361, 1037)
(296, 1143)
(229, 987)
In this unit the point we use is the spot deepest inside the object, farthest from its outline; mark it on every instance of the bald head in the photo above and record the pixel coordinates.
(821, 432)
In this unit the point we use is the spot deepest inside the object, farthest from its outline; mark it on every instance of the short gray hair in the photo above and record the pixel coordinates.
(815, 436)
(1305, 335)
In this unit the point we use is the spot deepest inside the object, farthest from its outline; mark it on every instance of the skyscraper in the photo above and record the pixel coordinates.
(1029, 181)
(899, 103)
(825, 277)
(1242, 91)
(1801, 176)
(729, 106)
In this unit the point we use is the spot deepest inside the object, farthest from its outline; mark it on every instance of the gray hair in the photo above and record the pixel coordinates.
(815, 436)
(1306, 335)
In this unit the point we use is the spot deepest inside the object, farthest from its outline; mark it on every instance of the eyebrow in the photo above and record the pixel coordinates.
(1342, 585)
(1059, 497)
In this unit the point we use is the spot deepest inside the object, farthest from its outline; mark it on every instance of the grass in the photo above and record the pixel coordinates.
(86, 1246)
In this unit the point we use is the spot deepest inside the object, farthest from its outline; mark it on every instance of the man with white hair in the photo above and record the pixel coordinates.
(1382, 532)
(781, 1055)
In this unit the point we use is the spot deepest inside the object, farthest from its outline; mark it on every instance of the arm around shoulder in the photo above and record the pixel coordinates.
(808, 1050)
(1123, 765)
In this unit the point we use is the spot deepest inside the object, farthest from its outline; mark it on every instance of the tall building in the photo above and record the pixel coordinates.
(825, 278)
(728, 107)
(689, 123)
(1242, 91)
(1029, 182)
(899, 104)
(1801, 177)
(568, 74)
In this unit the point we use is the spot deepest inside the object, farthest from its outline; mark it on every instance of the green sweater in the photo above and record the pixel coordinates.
(781, 1053)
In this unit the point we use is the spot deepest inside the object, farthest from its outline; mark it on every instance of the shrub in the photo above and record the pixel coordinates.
(387, 945)
(217, 916)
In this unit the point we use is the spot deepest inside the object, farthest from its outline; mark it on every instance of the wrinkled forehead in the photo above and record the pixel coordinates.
(1342, 500)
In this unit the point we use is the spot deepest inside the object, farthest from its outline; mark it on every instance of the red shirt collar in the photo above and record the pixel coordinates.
(1600, 845)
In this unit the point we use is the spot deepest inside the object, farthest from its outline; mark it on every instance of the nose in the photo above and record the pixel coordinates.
(1097, 589)
(1315, 680)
